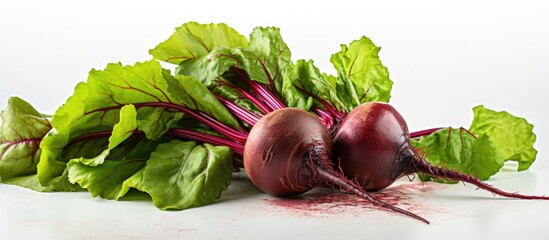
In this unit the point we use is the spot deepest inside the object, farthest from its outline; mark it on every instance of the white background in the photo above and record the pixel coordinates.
(444, 58)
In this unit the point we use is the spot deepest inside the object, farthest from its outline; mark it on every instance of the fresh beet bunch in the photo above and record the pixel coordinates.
(235, 102)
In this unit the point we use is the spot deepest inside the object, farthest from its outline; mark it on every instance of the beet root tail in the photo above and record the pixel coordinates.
(425, 167)
(334, 178)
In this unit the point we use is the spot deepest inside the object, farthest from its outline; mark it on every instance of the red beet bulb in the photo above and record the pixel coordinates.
(372, 145)
(288, 152)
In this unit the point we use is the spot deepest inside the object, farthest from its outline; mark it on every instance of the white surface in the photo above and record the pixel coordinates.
(455, 211)
(444, 58)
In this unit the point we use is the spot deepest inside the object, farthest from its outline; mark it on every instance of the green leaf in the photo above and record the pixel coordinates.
(193, 40)
(308, 78)
(125, 127)
(209, 67)
(181, 175)
(94, 108)
(105, 180)
(234, 96)
(513, 136)
(56, 152)
(95, 104)
(83, 121)
(121, 131)
(135, 181)
(30, 181)
(332, 80)
(486, 157)
(458, 150)
(266, 58)
(195, 95)
(347, 94)
(117, 173)
(361, 75)
(23, 128)
(291, 95)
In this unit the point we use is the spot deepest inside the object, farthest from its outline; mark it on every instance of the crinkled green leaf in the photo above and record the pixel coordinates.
(291, 95)
(193, 40)
(486, 157)
(94, 108)
(215, 66)
(121, 131)
(347, 94)
(266, 60)
(308, 79)
(114, 178)
(459, 150)
(181, 175)
(116, 174)
(23, 127)
(105, 180)
(513, 136)
(361, 75)
(155, 121)
(208, 67)
(266, 57)
(332, 80)
(96, 103)
(56, 152)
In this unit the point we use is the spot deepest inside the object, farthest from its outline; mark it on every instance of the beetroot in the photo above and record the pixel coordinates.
(288, 152)
(372, 145)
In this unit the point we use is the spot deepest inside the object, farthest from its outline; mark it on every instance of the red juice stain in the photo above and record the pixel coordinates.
(328, 202)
